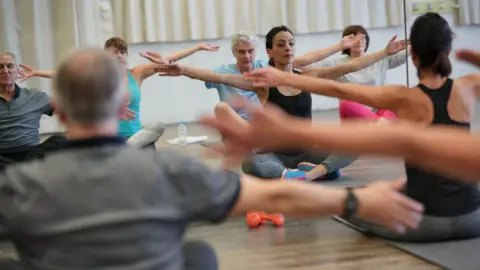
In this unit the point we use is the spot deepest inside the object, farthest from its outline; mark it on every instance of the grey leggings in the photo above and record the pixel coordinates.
(197, 256)
(271, 165)
(431, 229)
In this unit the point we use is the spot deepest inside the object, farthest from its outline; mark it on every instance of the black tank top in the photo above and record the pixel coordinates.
(299, 106)
(441, 196)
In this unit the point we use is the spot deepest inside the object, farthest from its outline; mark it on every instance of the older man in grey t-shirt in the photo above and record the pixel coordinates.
(21, 110)
(100, 204)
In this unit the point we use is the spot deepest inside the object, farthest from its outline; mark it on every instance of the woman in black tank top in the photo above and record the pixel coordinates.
(295, 163)
(451, 205)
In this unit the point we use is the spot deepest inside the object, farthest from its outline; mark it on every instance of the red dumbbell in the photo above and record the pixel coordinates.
(254, 219)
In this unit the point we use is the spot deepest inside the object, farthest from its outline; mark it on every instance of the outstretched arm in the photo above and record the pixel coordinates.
(206, 75)
(389, 97)
(28, 72)
(445, 150)
(469, 56)
(143, 72)
(319, 55)
(392, 49)
(176, 69)
(345, 68)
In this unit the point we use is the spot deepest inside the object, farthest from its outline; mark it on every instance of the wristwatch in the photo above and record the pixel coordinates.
(351, 205)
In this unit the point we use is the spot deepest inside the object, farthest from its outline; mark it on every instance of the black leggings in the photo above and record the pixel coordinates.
(55, 142)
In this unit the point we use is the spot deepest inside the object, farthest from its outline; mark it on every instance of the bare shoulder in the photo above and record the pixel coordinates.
(472, 80)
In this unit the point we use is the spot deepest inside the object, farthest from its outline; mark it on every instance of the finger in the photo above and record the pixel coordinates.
(26, 67)
(410, 203)
(399, 228)
(393, 39)
(215, 152)
(398, 184)
(260, 84)
(411, 219)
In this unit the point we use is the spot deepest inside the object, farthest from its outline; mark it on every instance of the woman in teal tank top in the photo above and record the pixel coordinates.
(128, 128)
(130, 124)
(135, 77)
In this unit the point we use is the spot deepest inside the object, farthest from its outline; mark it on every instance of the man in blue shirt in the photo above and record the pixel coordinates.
(243, 48)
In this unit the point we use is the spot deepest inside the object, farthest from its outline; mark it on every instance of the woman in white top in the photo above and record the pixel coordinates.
(372, 75)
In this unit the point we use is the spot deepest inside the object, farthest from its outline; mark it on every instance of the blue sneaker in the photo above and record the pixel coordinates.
(294, 175)
(307, 166)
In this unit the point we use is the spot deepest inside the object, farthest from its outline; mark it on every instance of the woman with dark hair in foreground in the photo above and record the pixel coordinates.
(451, 205)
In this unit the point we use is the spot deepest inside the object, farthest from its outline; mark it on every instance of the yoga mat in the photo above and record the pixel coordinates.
(210, 144)
(452, 255)
(344, 181)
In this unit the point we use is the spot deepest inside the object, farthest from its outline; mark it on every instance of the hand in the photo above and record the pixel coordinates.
(469, 56)
(26, 72)
(383, 204)
(269, 128)
(208, 47)
(266, 77)
(349, 41)
(129, 115)
(395, 46)
(154, 57)
(172, 70)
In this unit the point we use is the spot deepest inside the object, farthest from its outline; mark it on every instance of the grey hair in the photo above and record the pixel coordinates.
(8, 54)
(89, 87)
(243, 36)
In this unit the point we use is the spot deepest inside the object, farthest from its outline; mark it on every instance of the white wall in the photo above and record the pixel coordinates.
(181, 99)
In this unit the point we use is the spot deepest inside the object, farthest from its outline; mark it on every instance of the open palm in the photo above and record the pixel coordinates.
(208, 47)
(349, 41)
(154, 57)
(26, 72)
(395, 46)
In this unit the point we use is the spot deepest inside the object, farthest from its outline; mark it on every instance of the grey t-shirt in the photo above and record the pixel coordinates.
(20, 119)
(108, 206)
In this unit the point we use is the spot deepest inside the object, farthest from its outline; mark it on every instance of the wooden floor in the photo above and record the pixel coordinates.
(315, 244)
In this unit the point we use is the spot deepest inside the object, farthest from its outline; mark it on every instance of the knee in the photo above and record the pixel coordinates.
(199, 255)
(157, 127)
(350, 109)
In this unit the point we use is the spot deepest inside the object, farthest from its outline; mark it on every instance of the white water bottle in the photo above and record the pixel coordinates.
(182, 134)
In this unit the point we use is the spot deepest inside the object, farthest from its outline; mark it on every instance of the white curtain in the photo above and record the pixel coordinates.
(469, 12)
(141, 21)
(41, 32)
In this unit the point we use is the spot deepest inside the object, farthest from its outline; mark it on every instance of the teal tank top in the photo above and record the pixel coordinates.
(127, 129)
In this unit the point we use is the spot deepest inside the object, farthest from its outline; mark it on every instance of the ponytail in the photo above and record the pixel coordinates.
(442, 65)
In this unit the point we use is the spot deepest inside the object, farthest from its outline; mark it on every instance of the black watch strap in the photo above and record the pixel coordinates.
(351, 205)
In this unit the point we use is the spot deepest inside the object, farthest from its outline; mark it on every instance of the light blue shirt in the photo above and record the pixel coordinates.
(226, 92)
